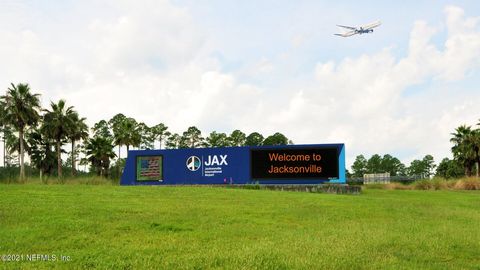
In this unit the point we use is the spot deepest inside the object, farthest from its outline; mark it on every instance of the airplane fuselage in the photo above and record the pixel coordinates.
(363, 31)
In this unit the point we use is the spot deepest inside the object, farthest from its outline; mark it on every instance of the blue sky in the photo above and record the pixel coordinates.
(261, 66)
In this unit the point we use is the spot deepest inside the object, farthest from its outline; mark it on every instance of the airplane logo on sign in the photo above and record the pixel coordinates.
(193, 163)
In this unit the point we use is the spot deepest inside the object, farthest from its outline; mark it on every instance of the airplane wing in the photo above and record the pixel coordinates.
(371, 25)
(348, 27)
(346, 34)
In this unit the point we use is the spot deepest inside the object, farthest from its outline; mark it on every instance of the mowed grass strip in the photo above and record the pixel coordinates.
(217, 228)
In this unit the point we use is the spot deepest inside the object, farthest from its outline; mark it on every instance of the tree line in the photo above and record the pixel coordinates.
(41, 133)
(465, 162)
(421, 168)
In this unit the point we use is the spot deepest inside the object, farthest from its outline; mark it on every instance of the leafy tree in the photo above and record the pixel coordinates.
(237, 138)
(423, 168)
(160, 133)
(217, 140)
(276, 139)
(416, 168)
(173, 141)
(20, 111)
(359, 166)
(147, 138)
(119, 134)
(56, 124)
(374, 164)
(449, 169)
(254, 139)
(101, 129)
(77, 130)
(99, 151)
(392, 165)
(192, 138)
(429, 165)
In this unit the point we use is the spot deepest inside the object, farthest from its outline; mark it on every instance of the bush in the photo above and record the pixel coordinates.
(423, 184)
(433, 184)
(439, 184)
(399, 186)
(467, 184)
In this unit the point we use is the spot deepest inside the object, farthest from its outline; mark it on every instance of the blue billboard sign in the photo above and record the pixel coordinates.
(290, 164)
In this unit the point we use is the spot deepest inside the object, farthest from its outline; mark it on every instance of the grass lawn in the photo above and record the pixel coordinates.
(204, 228)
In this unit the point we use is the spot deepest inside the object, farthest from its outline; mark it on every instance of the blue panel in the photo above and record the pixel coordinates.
(225, 165)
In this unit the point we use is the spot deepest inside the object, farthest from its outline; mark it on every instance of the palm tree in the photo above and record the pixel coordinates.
(132, 131)
(20, 111)
(99, 151)
(56, 125)
(464, 149)
(40, 152)
(3, 128)
(12, 144)
(76, 130)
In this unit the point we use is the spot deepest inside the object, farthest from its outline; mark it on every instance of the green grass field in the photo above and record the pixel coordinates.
(206, 228)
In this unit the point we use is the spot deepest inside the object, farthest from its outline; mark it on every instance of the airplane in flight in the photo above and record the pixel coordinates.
(364, 29)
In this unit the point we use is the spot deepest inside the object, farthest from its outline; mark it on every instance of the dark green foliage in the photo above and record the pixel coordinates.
(237, 138)
(466, 148)
(374, 164)
(20, 110)
(173, 141)
(423, 168)
(449, 169)
(359, 166)
(192, 138)
(147, 137)
(254, 139)
(276, 139)
(41, 152)
(217, 140)
(99, 151)
(62, 123)
(160, 132)
(377, 164)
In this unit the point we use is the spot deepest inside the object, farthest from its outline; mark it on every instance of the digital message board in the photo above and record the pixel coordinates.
(296, 163)
(149, 168)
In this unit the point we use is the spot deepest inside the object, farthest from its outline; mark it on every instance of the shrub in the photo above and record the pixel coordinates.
(399, 186)
(468, 184)
(424, 184)
(438, 184)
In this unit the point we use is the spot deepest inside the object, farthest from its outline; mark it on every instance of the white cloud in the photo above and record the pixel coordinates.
(155, 63)
(362, 101)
